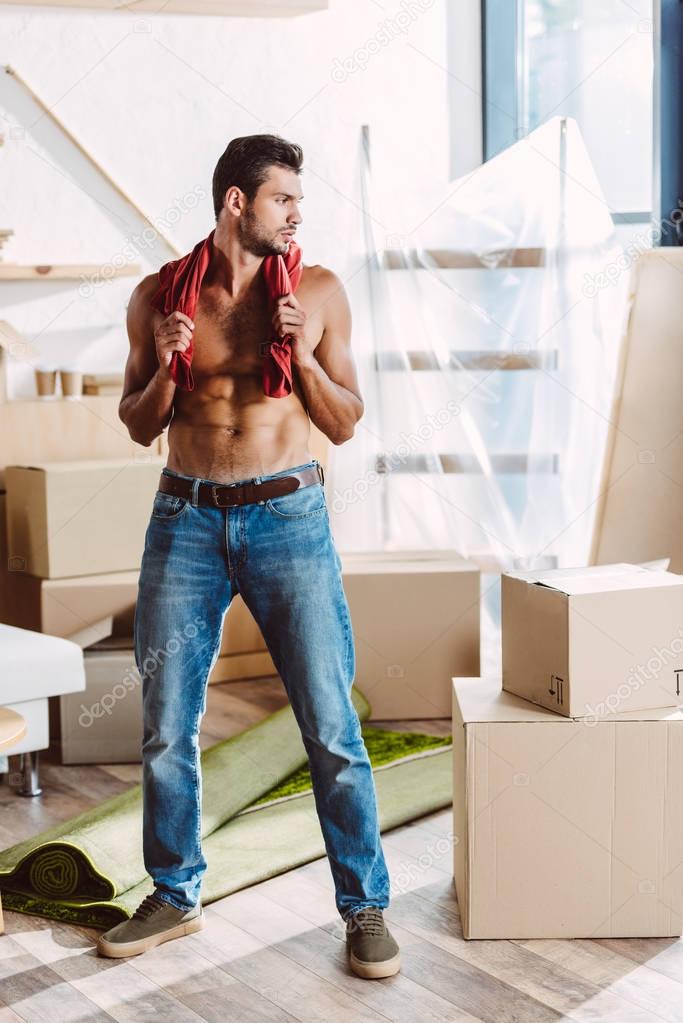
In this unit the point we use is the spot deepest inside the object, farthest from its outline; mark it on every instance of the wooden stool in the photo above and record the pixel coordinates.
(12, 728)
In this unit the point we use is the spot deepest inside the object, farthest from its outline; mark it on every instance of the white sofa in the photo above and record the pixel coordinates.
(34, 666)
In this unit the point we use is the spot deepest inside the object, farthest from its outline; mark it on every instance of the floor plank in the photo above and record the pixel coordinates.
(276, 953)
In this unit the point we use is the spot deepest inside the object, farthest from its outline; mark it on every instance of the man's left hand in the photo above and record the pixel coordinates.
(289, 320)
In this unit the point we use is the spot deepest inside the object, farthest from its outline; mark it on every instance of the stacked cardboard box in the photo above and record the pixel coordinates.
(67, 519)
(71, 541)
(415, 620)
(568, 815)
(104, 724)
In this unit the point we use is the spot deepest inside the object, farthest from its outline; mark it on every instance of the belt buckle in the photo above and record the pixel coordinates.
(214, 488)
(321, 473)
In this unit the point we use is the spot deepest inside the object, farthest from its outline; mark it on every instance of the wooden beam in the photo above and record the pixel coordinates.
(475, 360)
(451, 463)
(455, 259)
(88, 156)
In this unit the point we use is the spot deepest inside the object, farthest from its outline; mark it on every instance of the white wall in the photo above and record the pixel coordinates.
(155, 99)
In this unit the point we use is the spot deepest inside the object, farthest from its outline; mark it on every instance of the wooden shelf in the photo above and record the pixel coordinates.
(225, 8)
(63, 271)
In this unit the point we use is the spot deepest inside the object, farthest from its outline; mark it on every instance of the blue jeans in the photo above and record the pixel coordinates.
(280, 556)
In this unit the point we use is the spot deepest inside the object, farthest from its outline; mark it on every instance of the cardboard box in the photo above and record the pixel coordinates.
(564, 829)
(69, 607)
(79, 518)
(486, 562)
(85, 609)
(51, 431)
(595, 640)
(77, 608)
(103, 724)
(412, 622)
(409, 554)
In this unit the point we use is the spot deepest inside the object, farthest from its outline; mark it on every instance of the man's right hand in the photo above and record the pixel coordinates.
(172, 335)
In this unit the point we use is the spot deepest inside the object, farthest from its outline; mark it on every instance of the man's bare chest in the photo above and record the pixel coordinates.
(233, 337)
(229, 336)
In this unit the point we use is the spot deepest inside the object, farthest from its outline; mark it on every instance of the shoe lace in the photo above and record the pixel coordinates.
(148, 906)
(369, 920)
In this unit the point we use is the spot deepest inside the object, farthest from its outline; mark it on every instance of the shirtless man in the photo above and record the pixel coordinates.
(241, 507)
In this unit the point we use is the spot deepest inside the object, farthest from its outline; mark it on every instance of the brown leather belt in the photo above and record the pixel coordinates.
(219, 495)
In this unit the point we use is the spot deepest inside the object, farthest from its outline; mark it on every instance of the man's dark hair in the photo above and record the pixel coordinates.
(246, 161)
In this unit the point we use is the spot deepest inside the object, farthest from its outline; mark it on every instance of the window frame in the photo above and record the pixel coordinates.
(504, 117)
(668, 112)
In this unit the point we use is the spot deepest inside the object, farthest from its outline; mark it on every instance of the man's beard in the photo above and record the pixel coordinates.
(253, 238)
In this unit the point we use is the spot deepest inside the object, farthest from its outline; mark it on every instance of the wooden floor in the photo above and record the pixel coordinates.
(275, 951)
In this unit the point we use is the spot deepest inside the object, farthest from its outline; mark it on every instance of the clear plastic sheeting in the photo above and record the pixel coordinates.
(487, 361)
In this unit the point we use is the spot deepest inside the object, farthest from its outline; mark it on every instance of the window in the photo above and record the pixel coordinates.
(587, 59)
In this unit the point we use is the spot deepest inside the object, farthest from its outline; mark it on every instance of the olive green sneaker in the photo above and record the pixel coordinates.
(153, 922)
(373, 950)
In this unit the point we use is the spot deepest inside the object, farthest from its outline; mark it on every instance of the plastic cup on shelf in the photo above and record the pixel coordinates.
(46, 382)
(72, 382)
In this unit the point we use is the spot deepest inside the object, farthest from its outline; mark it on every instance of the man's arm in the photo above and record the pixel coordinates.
(328, 374)
(146, 406)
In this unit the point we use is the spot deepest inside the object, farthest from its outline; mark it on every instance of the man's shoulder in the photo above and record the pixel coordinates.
(140, 302)
(144, 289)
(324, 295)
(142, 318)
(319, 278)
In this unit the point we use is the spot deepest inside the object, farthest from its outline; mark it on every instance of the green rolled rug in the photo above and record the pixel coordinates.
(268, 840)
(90, 869)
(98, 854)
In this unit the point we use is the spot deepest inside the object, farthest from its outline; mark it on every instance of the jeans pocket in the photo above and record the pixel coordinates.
(168, 506)
(300, 503)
